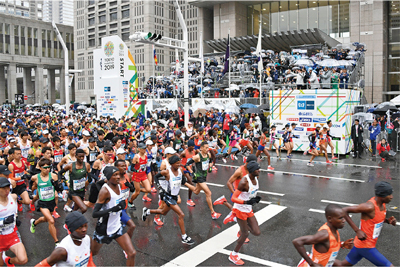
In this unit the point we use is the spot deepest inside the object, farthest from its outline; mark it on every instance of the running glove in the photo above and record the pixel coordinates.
(131, 187)
(253, 201)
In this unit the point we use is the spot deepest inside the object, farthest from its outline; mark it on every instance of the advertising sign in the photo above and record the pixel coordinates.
(115, 80)
(307, 108)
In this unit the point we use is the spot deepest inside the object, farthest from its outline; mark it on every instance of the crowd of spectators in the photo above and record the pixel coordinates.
(329, 69)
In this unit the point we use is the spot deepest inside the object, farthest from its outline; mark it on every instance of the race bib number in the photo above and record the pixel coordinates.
(58, 158)
(125, 193)
(47, 192)
(377, 230)
(92, 156)
(24, 152)
(178, 146)
(79, 184)
(205, 165)
(6, 228)
(332, 259)
(83, 263)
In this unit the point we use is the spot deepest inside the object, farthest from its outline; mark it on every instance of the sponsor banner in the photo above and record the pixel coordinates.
(300, 129)
(305, 119)
(305, 124)
(292, 119)
(319, 120)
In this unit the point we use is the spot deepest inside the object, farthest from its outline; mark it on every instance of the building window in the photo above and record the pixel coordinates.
(125, 13)
(125, 36)
(113, 3)
(92, 42)
(102, 28)
(91, 21)
(113, 16)
(115, 25)
(114, 32)
(102, 19)
(102, 6)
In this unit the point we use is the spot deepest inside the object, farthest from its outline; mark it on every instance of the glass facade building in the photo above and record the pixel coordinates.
(332, 17)
(394, 48)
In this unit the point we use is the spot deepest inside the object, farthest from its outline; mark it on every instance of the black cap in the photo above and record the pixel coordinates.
(142, 145)
(44, 140)
(383, 189)
(75, 220)
(4, 182)
(252, 166)
(120, 129)
(4, 170)
(109, 171)
(91, 140)
(4, 135)
(250, 158)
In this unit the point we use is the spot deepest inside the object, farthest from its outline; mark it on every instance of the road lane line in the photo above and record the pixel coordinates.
(302, 174)
(319, 211)
(339, 163)
(265, 202)
(254, 259)
(219, 185)
(338, 203)
(209, 248)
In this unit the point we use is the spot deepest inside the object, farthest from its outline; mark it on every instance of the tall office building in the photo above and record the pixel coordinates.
(96, 19)
(32, 9)
(59, 11)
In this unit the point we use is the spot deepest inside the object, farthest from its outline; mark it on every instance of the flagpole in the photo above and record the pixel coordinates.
(259, 36)
(201, 64)
(229, 63)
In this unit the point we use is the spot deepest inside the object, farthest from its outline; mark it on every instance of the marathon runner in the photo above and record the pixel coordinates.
(262, 148)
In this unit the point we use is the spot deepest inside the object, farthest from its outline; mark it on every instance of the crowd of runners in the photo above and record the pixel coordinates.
(103, 165)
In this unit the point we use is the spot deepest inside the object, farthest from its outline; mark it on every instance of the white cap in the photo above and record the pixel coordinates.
(318, 126)
(326, 126)
(85, 133)
(170, 150)
(45, 132)
(256, 123)
(121, 151)
(149, 143)
(154, 124)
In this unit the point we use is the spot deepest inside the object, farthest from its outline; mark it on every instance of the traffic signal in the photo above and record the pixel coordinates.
(153, 37)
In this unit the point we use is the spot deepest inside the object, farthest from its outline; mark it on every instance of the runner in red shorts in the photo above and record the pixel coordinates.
(9, 235)
(139, 176)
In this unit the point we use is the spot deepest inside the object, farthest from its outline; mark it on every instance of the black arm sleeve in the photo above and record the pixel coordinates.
(57, 185)
(97, 212)
(189, 162)
(61, 174)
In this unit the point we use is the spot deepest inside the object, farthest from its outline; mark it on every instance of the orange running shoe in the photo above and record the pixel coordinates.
(146, 199)
(215, 215)
(31, 206)
(190, 203)
(55, 214)
(220, 201)
(158, 222)
(6, 261)
(235, 259)
(230, 218)
(153, 190)
(20, 208)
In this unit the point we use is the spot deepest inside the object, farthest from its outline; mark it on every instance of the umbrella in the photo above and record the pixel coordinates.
(395, 115)
(264, 107)
(254, 65)
(208, 88)
(384, 109)
(207, 80)
(54, 105)
(232, 109)
(344, 63)
(81, 108)
(240, 60)
(247, 61)
(270, 51)
(329, 63)
(234, 87)
(247, 57)
(290, 75)
(304, 62)
(248, 105)
(36, 105)
(253, 110)
(163, 122)
(202, 111)
(218, 106)
(270, 64)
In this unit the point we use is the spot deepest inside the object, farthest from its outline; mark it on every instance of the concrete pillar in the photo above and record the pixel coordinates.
(62, 85)
(28, 85)
(2, 85)
(51, 82)
(11, 81)
(39, 84)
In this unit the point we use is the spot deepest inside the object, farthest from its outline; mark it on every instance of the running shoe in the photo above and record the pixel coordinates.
(220, 201)
(383, 160)
(144, 214)
(6, 260)
(190, 203)
(31, 206)
(153, 190)
(305, 152)
(334, 157)
(329, 162)
(55, 214)
(67, 208)
(310, 164)
(131, 206)
(270, 168)
(158, 221)
(289, 156)
(57, 243)
(215, 215)
(244, 159)
(33, 226)
(230, 218)
(224, 160)
(146, 199)
(235, 259)
(126, 255)
(20, 208)
(232, 157)
(187, 241)
(246, 241)
(236, 158)
(214, 168)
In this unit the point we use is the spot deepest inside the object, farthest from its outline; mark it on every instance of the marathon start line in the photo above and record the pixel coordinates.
(217, 244)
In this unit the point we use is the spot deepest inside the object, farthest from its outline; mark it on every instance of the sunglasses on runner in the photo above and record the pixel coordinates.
(46, 167)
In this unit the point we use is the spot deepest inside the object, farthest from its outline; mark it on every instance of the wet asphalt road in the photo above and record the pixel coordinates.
(296, 193)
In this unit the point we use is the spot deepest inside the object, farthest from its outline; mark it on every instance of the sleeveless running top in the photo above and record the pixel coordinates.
(257, 132)
(244, 173)
(25, 149)
(202, 166)
(198, 139)
(5, 212)
(246, 196)
(83, 144)
(45, 189)
(187, 157)
(77, 178)
(177, 144)
(175, 182)
(140, 167)
(92, 156)
(371, 227)
(58, 155)
(327, 259)
(124, 189)
(113, 220)
(18, 172)
(77, 255)
(213, 142)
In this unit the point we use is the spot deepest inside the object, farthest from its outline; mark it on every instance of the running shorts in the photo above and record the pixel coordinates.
(153, 167)
(170, 200)
(371, 254)
(196, 147)
(93, 193)
(199, 179)
(50, 205)
(232, 143)
(107, 239)
(244, 142)
(7, 241)
(124, 217)
(148, 170)
(19, 189)
(261, 148)
(139, 177)
(78, 194)
(242, 215)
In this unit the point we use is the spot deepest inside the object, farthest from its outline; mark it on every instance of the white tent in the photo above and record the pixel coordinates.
(396, 101)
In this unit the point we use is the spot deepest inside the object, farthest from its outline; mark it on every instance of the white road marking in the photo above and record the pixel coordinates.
(254, 259)
(398, 223)
(219, 185)
(340, 163)
(265, 202)
(209, 248)
(338, 203)
(270, 193)
(302, 174)
(320, 211)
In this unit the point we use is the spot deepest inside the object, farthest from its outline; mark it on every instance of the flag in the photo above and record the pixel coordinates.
(155, 56)
(201, 55)
(258, 52)
(226, 67)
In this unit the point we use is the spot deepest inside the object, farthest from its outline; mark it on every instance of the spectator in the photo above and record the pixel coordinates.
(374, 129)
(356, 136)
(335, 79)
(344, 79)
(383, 149)
(300, 79)
(314, 82)
(325, 76)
